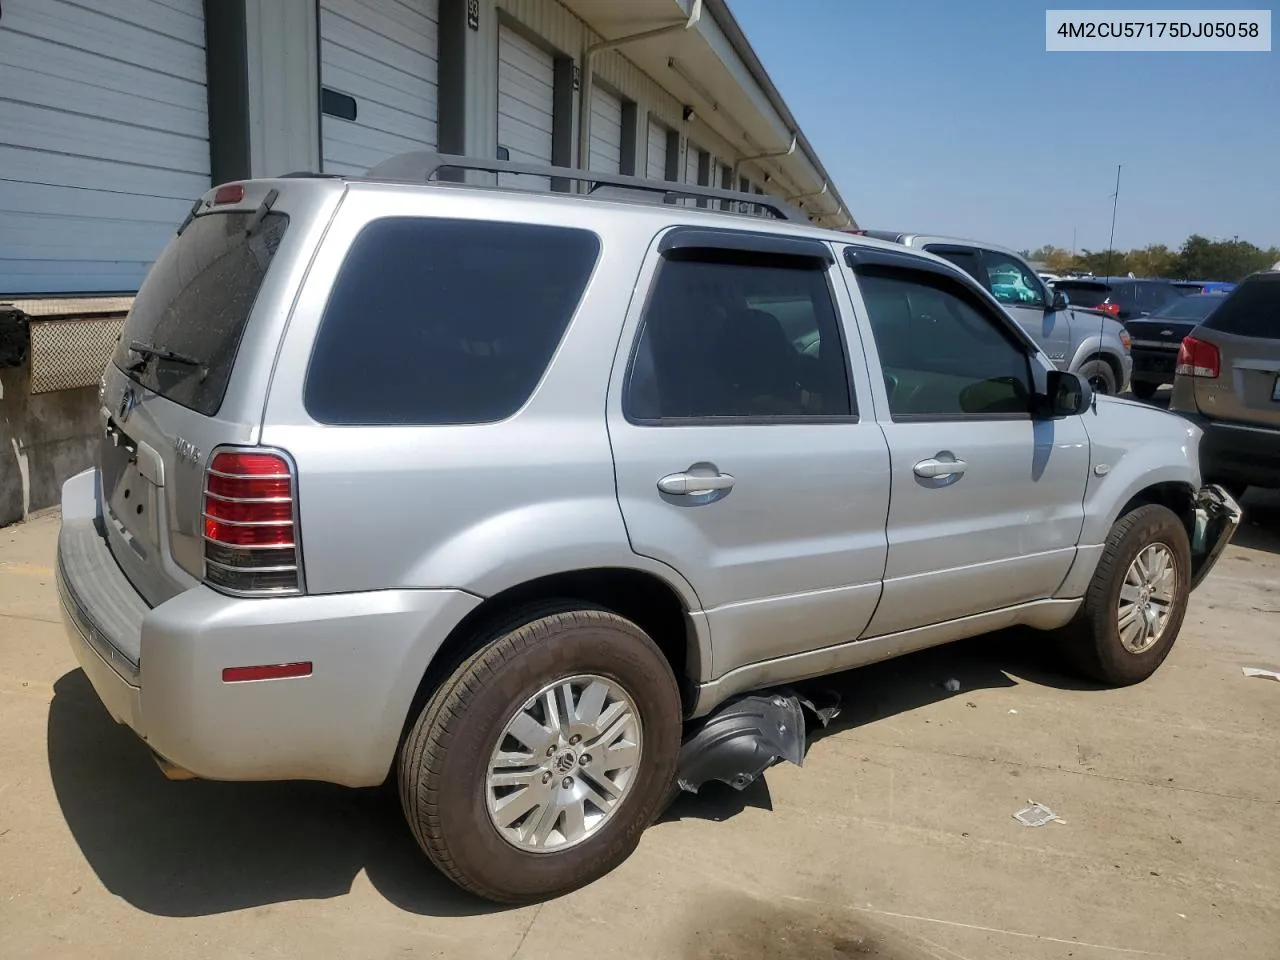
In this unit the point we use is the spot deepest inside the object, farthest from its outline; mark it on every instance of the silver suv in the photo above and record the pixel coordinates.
(524, 498)
(1084, 341)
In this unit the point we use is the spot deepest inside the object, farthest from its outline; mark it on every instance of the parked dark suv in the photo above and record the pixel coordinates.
(1121, 297)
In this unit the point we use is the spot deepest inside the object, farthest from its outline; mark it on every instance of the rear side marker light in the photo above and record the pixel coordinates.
(249, 524)
(1198, 358)
(270, 671)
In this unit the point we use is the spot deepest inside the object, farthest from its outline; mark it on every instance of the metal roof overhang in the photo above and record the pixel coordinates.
(712, 68)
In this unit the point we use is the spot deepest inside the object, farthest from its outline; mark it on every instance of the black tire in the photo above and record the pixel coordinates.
(1092, 638)
(1100, 376)
(1144, 389)
(444, 762)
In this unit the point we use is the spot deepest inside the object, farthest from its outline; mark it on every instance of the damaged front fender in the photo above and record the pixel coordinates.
(1217, 515)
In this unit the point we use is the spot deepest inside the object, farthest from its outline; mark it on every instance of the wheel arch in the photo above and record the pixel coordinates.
(647, 599)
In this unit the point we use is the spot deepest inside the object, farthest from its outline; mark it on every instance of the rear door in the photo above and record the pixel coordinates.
(1246, 331)
(743, 454)
(190, 372)
(986, 503)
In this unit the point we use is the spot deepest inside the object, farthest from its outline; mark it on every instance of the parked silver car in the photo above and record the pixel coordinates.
(514, 496)
(1082, 341)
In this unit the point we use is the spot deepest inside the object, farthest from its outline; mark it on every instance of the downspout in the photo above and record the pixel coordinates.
(767, 156)
(589, 53)
(797, 197)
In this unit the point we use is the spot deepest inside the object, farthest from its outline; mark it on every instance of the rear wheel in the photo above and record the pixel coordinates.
(1144, 389)
(535, 767)
(1134, 606)
(1101, 378)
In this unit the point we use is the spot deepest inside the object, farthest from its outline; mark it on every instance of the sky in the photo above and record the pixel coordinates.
(950, 117)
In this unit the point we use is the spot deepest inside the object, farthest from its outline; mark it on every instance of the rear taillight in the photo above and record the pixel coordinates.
(250, 524)
(1198, 358)
(1110, 309)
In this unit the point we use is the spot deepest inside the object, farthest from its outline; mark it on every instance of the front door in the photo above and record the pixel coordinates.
(742, 456)
(986, 502)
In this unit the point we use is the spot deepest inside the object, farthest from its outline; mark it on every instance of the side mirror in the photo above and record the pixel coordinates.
(1059, 301)
(1066, 395)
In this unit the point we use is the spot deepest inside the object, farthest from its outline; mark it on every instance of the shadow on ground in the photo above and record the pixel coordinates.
(1002, 659)
(196, 848)
(1260, 528)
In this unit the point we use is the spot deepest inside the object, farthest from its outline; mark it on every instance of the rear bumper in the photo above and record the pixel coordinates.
(341, 724)
(1236, 453)
(1151, 365)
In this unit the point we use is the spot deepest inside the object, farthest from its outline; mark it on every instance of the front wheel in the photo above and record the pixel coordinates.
(1134, 606)
(1100, 376)
(536, 766)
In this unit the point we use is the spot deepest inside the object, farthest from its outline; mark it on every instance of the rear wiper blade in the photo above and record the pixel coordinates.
(150, 351)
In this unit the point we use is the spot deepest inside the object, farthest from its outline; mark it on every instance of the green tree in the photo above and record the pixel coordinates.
(1113, 263)
(1203, 259)
(1155, 260)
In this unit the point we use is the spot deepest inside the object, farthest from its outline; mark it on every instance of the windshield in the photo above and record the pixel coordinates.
(182, 334)
(1194, 307)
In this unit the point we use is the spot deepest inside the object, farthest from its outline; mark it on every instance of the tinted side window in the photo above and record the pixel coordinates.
(942, 356)
(739, 336)
(1252, 309)
(1010, 281)
(964, 258)
(1082, 294)
(444, 321)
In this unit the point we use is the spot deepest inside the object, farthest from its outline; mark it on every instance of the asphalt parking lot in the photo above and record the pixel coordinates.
(896, 838)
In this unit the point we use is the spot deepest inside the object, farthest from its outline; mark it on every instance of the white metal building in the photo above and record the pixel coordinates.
(115, 115)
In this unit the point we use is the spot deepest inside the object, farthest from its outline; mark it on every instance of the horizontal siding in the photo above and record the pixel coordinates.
(103, 139)
(384, 55)
(142, 33)
(656, 152)
(526, 86)
(606, 132)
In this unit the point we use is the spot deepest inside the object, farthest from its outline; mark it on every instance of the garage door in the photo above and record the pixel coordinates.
(657, 152)
(526, 104)
(691, 155)
(104, 140)
(378, 71)
(606, 132)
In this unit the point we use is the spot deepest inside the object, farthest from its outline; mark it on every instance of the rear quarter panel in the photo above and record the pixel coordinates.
(479, 507)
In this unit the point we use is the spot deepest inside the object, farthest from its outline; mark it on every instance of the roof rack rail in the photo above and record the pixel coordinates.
(423, 166)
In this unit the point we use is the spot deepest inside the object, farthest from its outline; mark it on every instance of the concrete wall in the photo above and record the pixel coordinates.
(44, 439)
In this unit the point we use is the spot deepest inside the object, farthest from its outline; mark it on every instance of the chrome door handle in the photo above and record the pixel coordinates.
(933, 468)
(686, 484)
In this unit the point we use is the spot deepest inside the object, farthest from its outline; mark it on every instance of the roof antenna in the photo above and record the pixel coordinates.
(1111, 245)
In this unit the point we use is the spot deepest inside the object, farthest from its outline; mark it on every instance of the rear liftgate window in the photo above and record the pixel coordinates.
(1252, 310)
(184, 330)
(445, 321)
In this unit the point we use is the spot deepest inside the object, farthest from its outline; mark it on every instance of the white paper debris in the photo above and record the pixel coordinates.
(952, 685)
(1036, 815)
(1013, 711)
(1259, 672)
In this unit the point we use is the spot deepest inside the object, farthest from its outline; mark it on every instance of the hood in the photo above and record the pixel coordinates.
(1123, 421)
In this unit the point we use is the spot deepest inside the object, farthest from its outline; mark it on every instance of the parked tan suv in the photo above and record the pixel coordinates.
(1228, 382)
